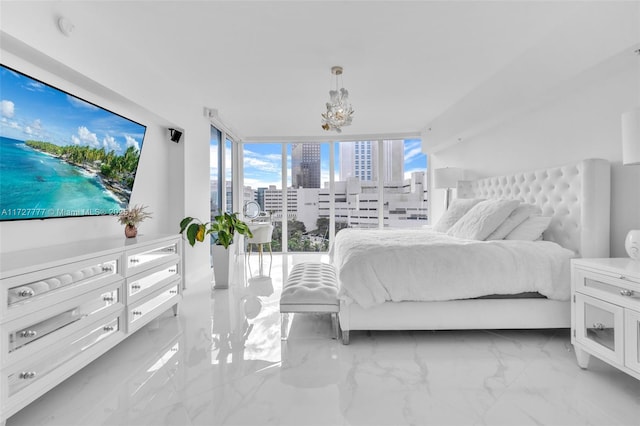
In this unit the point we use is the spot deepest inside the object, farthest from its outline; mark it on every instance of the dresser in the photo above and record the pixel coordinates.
(63, 306)
(606, 312)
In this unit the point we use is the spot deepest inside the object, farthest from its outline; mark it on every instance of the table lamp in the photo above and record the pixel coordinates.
(447, 178)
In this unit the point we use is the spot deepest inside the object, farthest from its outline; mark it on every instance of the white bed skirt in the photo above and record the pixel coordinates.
(458, 314)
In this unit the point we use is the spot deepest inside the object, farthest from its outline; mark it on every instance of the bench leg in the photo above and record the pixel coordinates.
(285, 325)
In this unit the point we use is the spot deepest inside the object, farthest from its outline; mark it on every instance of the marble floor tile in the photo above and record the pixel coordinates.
(221, 362)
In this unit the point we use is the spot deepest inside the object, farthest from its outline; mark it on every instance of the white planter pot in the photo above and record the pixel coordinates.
(222, 259)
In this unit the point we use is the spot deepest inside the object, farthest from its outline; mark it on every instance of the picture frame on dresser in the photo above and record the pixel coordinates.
(63, 306)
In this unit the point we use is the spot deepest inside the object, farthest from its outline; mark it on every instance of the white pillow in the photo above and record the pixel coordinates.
(456, 210)
(483, 219)
(531, 229)
(519, 215)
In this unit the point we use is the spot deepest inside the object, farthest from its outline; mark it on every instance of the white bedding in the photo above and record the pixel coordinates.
(375, 266)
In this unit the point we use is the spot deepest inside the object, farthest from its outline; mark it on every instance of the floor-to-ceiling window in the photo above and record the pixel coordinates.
(405, 183)
(312, 190)
(262, 171)
(221, 173)
(228, 175)
(309, 173)
(215, 181)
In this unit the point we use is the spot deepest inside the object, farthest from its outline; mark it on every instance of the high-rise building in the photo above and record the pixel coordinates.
(305, 165)
(360, 159)
(356, 202)
(260, 198)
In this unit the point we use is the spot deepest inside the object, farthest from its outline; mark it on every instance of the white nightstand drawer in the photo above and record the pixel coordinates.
(619, 289)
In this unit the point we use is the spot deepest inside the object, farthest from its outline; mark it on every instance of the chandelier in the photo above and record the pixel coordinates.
(339, 112)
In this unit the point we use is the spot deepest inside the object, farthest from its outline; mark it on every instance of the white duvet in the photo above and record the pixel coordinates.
(375, 266)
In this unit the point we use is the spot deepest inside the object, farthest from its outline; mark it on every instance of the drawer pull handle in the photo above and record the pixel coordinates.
(108, 298)
(27, 292)
(107, 268)
(28, 333)
(108, 328)
(136, 313)
(135, 286)
(173, 271)
(598, 326)
(27, 375)
(625, 292)
(173, 291)
(622, 277)
(133, 260)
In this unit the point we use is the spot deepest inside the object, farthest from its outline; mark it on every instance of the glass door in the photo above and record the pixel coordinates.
(599, 326)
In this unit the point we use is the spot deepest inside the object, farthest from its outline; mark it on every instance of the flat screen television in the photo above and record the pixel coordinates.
(62, 156)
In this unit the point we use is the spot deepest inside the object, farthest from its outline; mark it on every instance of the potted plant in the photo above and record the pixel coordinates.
(131, 218)
(222, 230)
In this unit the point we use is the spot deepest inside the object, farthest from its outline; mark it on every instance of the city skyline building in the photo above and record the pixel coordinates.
(360, 159)
(305, 165)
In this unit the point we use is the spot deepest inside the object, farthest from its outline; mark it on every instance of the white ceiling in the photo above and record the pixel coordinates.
(454, 67)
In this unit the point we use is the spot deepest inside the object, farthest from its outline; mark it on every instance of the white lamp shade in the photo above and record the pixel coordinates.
(631, 137)
(447, 177)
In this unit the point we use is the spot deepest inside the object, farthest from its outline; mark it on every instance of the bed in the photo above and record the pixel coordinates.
(575, 196)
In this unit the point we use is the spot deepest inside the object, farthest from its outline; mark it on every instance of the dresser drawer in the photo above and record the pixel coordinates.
(145, 258)
(26, 374)
(95, 303)
(30, 292)
(141, 313)
(144, 283)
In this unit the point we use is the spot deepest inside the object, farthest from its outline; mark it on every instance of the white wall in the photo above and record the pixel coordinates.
(581, 121)
(163, 182)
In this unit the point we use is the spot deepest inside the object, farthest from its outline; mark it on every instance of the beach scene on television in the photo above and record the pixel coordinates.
(61, 156)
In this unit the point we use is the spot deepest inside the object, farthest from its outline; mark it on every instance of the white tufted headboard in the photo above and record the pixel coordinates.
(577, 196)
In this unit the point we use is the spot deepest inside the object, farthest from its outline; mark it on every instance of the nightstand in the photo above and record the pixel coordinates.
(605, 312)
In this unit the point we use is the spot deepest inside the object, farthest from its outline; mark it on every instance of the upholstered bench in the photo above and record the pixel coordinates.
(311, 288)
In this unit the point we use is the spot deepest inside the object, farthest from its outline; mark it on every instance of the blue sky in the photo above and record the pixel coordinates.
(262, 162)
(32, 110)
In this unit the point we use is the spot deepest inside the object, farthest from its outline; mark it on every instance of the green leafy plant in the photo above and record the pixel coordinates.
(222, 229)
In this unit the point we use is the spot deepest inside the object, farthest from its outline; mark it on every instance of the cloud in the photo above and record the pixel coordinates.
(109, 143)
(10, 124)
(7, 108)
(261, 165)
(85, 137)
(412, 150)
(34, 129)
(79, 103)
(35, 86)
(269, 163)
(132, 142)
